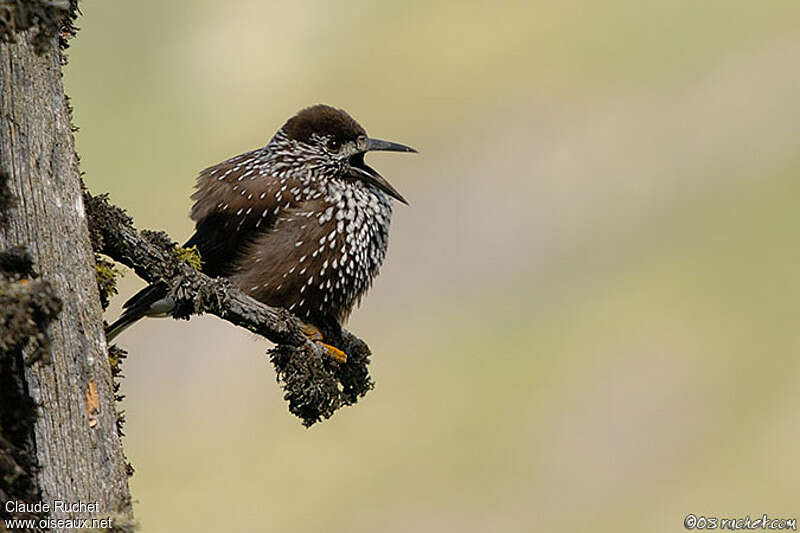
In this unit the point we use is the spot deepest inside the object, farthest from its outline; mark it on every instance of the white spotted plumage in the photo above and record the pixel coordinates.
(321, 234)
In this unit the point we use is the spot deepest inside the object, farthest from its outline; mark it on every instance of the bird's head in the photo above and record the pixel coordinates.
(336, 141)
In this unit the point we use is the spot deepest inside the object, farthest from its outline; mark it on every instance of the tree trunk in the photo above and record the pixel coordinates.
(74, 433)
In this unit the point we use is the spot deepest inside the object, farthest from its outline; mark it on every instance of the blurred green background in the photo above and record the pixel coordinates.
(588, 318)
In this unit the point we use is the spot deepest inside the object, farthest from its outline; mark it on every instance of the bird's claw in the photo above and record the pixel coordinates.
(333, 351)
(312, 332)
(315, 335)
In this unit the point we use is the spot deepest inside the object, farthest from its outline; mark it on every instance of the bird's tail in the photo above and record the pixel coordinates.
(150, 301)
(121, 324)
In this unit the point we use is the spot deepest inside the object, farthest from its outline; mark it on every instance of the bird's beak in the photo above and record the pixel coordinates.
(369, 175)
(377, 145)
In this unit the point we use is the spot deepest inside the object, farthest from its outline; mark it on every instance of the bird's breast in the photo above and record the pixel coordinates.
(321, 256)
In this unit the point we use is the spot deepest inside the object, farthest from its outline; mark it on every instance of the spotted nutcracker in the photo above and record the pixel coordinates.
(301, 223)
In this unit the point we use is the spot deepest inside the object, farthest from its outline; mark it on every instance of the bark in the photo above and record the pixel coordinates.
(58, 408)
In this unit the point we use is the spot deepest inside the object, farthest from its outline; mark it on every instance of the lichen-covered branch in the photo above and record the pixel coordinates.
(154, 258)
(315, 385)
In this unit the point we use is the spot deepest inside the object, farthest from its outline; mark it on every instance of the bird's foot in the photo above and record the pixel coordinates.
(315, 335)
(333, 351)
(312, 332)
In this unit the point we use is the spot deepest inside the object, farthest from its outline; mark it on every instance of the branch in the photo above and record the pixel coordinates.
(315, 385)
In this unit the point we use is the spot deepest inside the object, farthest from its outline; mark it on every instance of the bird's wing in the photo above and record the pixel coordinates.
(234, 203)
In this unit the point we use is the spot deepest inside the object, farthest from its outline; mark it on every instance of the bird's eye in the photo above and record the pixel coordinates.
(333, 145)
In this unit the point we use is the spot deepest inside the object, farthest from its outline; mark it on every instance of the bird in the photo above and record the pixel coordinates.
(301, 223)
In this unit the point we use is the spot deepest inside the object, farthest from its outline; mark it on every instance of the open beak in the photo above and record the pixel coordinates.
(368, 174)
